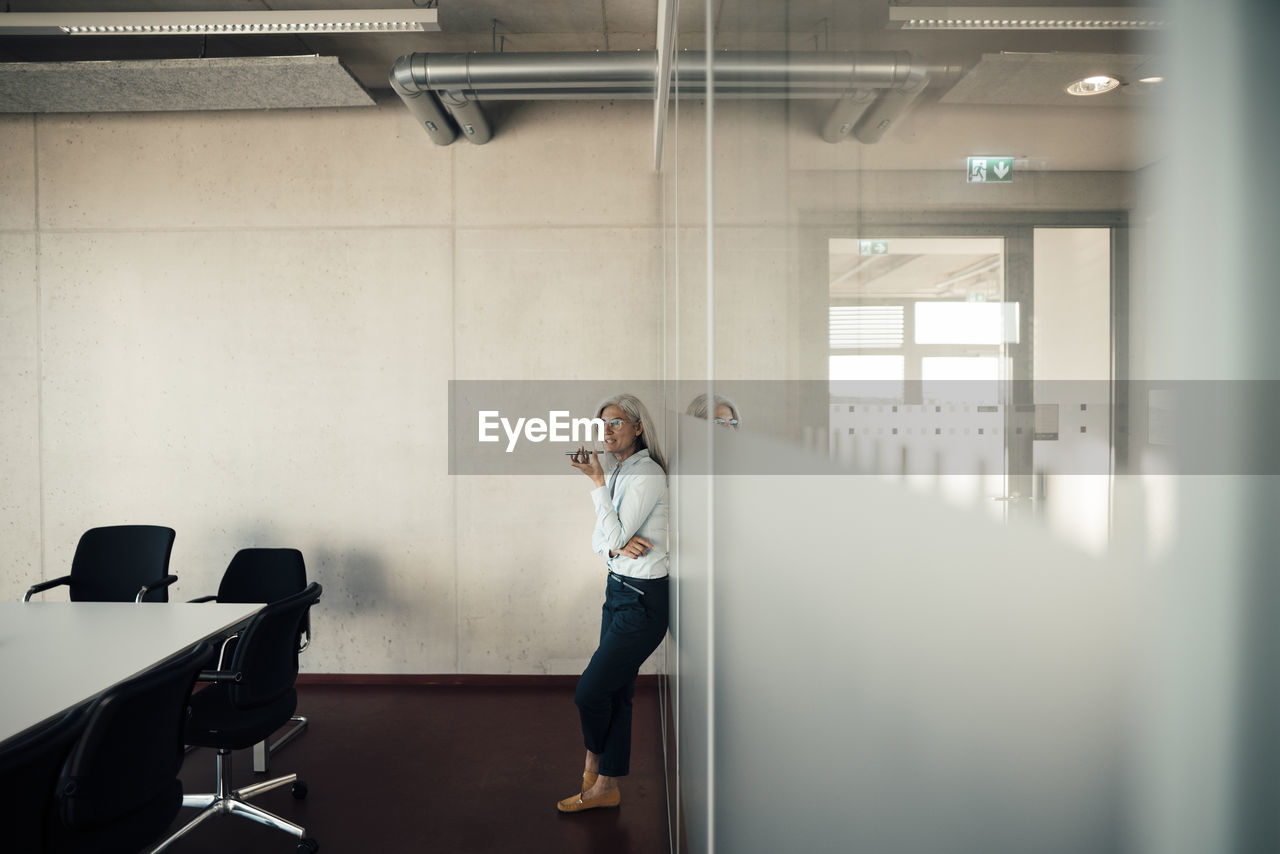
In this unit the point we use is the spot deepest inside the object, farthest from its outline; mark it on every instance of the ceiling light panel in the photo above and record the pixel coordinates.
(303, 22)
(1024, 18)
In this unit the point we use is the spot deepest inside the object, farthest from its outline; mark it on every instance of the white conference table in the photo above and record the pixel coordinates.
(55, 656)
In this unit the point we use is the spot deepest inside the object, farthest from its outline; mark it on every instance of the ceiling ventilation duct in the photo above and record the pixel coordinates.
(443, 90)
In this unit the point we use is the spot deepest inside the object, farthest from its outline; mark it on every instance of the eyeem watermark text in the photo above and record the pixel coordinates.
(558, 427)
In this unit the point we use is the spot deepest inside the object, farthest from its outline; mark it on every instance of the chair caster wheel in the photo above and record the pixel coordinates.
(299, 791)
(307, 845)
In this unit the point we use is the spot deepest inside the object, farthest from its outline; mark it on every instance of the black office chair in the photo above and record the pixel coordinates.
(120, 563)
(29, 767)
(249, 699)
(267, 575)
(119, 789)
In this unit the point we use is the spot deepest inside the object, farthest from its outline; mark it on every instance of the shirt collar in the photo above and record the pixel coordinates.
(643, 453)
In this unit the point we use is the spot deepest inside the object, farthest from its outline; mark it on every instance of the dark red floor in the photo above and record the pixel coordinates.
(451, 769)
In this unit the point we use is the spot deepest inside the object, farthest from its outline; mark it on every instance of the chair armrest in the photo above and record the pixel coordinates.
(304, 633)
(204, 599)
(222, 650)
(147, 588)
(219, 676)
(44, 585)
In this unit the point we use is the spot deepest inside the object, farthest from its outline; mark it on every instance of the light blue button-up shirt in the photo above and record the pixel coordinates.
(638, 506)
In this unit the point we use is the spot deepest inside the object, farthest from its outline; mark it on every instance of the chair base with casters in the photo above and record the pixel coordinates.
(229, 802)
(245, 703)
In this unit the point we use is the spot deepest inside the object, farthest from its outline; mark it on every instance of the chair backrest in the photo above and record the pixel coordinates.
(123, 772)
(263, 575)
(29, 767)
(112, 564)
(266, 654)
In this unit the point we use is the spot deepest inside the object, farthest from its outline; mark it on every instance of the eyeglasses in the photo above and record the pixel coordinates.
(615, 423)
(732, 422)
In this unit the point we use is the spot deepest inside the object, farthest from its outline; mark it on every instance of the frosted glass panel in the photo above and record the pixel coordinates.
(972, 379)
(885, 669)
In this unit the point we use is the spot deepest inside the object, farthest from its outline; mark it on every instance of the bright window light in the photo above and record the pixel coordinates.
(867, 376)
(967, 323)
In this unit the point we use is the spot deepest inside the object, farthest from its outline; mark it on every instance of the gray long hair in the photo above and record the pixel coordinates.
(636, 411)
(698, 407)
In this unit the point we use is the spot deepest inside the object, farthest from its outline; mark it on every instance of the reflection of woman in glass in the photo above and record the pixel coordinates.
(725, 415)
(631, 534)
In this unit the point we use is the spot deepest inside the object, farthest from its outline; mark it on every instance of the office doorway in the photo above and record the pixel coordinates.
(978, 366)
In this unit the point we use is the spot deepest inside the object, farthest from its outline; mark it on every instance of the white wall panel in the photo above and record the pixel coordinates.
(942, 136)
(19, 417)
(752, 139)
(17, 172)
(249, 334)
(1072, 319)
(529, 586)
(559, 304)
(270, 169)
(263, 388)
(560, 163)
(544, 304)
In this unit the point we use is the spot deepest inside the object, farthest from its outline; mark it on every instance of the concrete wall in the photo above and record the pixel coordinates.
(243, 326)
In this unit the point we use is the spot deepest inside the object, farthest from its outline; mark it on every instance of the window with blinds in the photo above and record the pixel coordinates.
(866, 326)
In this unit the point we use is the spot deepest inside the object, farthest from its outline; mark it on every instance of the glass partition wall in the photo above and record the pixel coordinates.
(949, 583)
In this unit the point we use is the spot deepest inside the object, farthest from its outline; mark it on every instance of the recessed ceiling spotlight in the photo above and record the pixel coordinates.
(1093, 85)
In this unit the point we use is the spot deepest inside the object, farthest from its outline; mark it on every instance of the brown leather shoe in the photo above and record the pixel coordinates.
(578, 803)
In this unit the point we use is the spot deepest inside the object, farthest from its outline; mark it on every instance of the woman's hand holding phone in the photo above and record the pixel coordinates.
(588, 462)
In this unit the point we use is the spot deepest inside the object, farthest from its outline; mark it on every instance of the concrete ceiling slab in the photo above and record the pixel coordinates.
(632, 16)
(521, 16)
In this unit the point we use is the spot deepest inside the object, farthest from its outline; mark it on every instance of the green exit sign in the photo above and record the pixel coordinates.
(990, 170)
(873, 247)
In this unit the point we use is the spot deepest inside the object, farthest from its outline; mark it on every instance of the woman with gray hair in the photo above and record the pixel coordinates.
(631, 535)
(725, 413)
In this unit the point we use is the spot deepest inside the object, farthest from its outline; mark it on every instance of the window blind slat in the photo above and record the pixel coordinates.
(865, 326)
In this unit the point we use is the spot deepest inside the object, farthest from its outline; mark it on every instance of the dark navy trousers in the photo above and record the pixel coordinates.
(633, 623)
